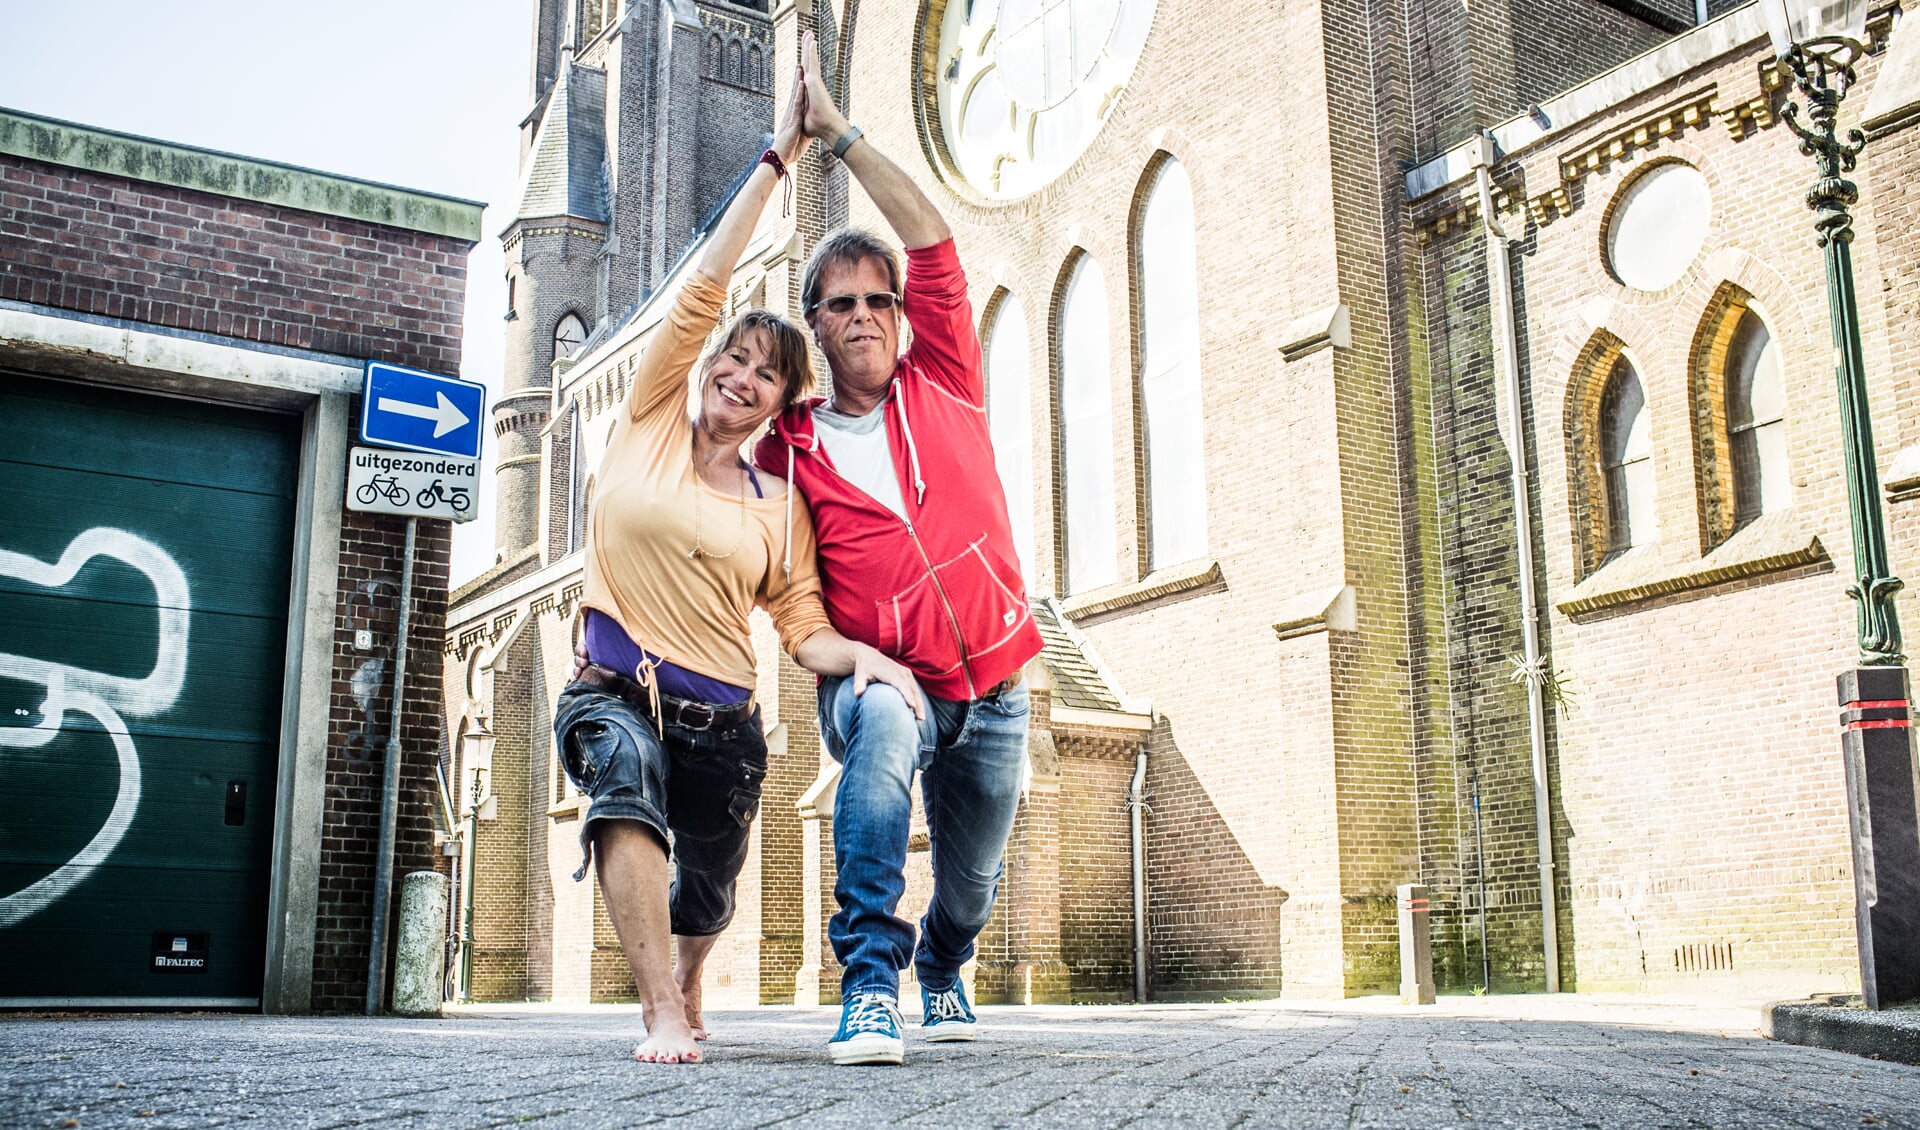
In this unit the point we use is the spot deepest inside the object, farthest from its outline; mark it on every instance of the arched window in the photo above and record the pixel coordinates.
(756, 75)
(1626, 459)
(1010, 420)
(1170, 371)
(1756, 423)
(733, 63)
(1086, 431)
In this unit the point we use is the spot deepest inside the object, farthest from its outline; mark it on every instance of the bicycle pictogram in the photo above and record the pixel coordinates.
(387, 485)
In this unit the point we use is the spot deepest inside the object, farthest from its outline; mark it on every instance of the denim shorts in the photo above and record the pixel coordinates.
(697, 790)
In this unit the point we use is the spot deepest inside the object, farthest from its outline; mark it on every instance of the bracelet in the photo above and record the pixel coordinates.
(846, 141)
(779, 166)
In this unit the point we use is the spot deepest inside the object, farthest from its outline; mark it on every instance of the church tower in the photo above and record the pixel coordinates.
(644, 116)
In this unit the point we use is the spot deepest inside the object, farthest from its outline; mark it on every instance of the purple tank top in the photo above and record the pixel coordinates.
(609, 645)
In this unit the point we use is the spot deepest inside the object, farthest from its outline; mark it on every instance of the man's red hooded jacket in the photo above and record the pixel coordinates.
(940, 591)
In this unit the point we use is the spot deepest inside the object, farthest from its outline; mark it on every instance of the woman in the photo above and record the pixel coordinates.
(660, 728)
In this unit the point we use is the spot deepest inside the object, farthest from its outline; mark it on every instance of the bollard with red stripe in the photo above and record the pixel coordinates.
(1416, 946)
(1877, 745)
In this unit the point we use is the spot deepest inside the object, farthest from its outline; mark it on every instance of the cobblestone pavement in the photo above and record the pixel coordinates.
(1529, 1063)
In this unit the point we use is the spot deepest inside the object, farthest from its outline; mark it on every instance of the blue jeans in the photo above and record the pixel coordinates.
(970, 756)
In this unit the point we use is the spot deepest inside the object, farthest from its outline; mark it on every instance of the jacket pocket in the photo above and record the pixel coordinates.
(924, 631)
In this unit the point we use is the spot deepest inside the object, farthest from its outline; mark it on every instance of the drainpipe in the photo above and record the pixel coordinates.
(1506, 352)
(390, 790)
(1136, 809)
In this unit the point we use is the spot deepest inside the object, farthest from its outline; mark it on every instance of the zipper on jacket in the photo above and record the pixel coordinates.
(953, 621)
(966, 663)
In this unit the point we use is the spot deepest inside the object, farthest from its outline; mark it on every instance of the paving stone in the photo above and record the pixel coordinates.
(1139, 1066)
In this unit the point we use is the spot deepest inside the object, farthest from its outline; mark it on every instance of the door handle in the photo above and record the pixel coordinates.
(236, 803)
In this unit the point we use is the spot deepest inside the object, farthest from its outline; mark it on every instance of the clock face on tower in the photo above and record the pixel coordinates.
(568, 335)
(1025, 85)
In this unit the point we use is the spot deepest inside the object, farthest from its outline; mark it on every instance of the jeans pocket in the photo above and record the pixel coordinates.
(1014, 702)
(584, 753)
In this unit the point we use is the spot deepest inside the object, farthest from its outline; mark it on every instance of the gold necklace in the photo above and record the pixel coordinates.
(699, 550)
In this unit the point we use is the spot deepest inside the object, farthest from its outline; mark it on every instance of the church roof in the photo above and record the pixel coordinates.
(566, 174)
(1077, 681)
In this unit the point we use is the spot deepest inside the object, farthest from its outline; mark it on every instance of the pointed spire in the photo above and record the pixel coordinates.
(565, 173)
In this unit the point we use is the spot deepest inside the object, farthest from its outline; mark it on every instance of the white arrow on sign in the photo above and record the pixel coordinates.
(445, 415)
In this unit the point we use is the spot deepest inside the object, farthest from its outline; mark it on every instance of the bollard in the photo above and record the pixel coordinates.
(416, 967)
(1416, 947)
(1877, 744)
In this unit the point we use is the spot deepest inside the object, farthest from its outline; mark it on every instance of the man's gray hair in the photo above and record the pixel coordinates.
(845, 247)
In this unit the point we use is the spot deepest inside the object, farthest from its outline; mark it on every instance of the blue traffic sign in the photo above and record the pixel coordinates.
(417, 411)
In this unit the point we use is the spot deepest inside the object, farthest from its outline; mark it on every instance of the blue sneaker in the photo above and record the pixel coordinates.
(945, 1016)
(869, 1031)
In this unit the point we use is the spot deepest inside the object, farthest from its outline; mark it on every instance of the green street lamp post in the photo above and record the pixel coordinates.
(1818, 42)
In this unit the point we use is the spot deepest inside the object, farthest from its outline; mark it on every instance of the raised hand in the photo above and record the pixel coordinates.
(823, 119)
(790, 138)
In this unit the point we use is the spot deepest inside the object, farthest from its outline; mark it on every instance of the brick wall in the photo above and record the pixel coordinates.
(1700, 821)
(370, 553)
(101, 244)
(106, 245)
(1096, 891)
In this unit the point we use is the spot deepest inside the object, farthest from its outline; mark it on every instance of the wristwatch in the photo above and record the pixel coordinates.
(845, 142)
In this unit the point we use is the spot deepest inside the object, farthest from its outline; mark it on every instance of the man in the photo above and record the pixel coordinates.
(916, 558)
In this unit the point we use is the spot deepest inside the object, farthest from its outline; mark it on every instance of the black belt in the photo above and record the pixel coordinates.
(685, 713)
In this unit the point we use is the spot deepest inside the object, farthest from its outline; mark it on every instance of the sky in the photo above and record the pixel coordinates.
(424, 94)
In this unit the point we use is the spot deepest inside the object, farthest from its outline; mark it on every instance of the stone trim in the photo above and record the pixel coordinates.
(1191, 577)
(74, 146)
(1099, 719)
(1903, 478)
(1310, 333)
(1772, 543)
(1679, 56)
(1325, 610)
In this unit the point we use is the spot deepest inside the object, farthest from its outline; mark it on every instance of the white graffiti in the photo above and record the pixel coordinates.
(105, 698)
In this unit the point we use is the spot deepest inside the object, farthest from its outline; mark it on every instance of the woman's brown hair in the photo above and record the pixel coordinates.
(786, 352)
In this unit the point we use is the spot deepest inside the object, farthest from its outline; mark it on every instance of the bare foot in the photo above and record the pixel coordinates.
(690, 993)
(671, 1043)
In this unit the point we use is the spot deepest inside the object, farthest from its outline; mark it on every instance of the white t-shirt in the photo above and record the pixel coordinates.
(858, 447)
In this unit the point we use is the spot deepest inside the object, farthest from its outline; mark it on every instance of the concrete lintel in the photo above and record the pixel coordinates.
(191, 362)
(76, 146)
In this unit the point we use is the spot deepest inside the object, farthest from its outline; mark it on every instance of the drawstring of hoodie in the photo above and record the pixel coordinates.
(786, 562)
(913, 453)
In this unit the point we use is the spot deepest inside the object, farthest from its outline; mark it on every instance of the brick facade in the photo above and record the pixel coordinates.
(1329, 698)
(214, 254)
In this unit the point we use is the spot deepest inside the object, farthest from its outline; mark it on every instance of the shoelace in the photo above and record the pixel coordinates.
(870, 1013)
(947, 1005)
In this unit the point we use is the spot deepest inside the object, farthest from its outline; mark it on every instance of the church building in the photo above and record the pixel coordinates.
(1327, 352)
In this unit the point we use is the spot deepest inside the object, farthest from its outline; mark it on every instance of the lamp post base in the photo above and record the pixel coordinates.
(1877, 745)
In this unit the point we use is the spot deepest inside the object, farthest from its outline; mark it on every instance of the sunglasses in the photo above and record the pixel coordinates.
(880, 302)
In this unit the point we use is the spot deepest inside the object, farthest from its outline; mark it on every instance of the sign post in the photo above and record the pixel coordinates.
(421, 459)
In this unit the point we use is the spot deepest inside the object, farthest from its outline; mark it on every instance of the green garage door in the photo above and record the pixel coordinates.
(145, 548)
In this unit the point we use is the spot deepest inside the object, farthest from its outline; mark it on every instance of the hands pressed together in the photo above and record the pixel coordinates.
(810, 113)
